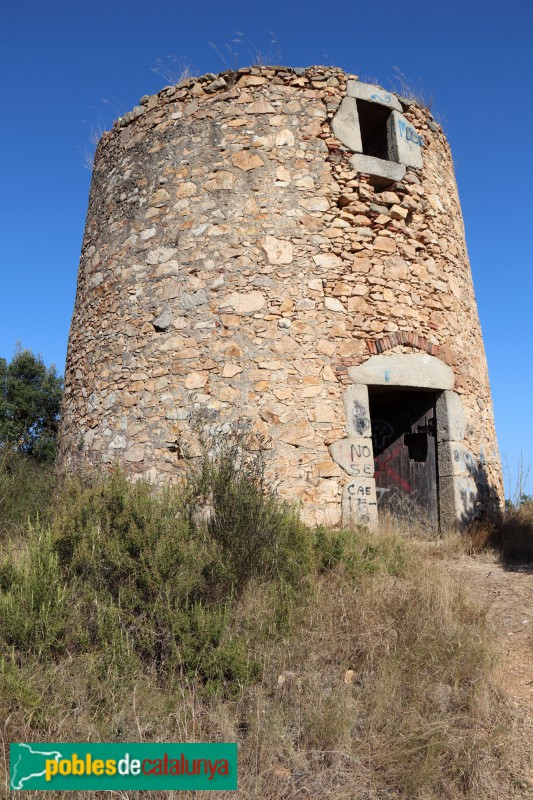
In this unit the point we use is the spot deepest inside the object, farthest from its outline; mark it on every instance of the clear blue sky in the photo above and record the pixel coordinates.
(68, 68)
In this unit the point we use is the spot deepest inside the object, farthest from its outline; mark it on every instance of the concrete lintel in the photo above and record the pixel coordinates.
(404, 369)
(389, 171)
(405, 144)
(345, 125)
(372, 93)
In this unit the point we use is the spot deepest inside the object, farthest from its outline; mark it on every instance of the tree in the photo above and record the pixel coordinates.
(30, 404)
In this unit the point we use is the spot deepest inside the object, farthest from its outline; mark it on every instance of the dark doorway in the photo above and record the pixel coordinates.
(405, 452)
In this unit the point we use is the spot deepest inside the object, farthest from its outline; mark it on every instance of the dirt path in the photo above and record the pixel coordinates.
(508, 594)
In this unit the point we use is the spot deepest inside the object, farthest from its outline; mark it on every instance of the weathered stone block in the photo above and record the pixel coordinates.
(458, 498)
(245, 302)
(456, 459)
(345, 125)
(359, 504)
(357, 410)
(322, 414)
(222, 180)
(355, 456)
(246, 160)
(163, 321)
(135, 453)
(299, 434)
(278, 251)
(405, 144)
(451, 417)
(195, 380)
(378, 167)
(332, 304)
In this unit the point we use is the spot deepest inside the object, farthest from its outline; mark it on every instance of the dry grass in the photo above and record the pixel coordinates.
(387, 688)
(509, 536)
(174, 69)
(382, 681)
(366, 673)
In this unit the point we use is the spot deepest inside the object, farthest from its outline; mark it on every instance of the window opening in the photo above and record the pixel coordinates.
(373, 119)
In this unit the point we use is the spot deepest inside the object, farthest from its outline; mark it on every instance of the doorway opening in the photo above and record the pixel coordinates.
(404, 438)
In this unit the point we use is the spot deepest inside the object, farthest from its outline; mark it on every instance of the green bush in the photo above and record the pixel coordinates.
(144, 576)
(26, 487)
(258, 534)
(154, 578)
(34, 600)
(125, 543)
(357, 553)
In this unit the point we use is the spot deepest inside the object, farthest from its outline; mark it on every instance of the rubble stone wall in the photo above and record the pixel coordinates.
(235, 260)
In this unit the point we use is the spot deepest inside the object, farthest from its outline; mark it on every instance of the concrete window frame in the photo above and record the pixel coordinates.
(404, 144)
(457, 469)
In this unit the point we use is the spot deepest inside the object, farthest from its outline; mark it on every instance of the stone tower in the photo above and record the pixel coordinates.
(286, 246)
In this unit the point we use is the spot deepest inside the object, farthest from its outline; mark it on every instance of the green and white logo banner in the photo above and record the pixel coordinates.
(84, 766)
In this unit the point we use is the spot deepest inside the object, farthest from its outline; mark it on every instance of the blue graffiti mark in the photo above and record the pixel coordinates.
(387, 375)
(409, 133)
(385, 98)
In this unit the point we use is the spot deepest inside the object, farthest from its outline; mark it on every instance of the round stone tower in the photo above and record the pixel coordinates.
(284, 246)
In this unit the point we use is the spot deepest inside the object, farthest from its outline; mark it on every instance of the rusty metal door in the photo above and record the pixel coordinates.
(405, 453)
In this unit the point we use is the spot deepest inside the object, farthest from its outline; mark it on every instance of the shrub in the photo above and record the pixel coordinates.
(143, 574)
(125, 543)
(258, 534)
(510, 534)
(26, 487)
(143, 578)
(34, 601)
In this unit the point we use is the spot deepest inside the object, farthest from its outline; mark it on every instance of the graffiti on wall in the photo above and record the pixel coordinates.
(409, 133)
(360, 497)
(355, 456)
(384, 97)
(360, 418)
(384, 467)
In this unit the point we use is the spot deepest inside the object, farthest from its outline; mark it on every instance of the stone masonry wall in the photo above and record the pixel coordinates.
(234, 260)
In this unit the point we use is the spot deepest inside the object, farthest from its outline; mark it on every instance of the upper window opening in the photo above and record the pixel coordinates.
(373, 119)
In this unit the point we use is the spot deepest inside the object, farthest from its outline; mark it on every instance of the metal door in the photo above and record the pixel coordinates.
(405, 457)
